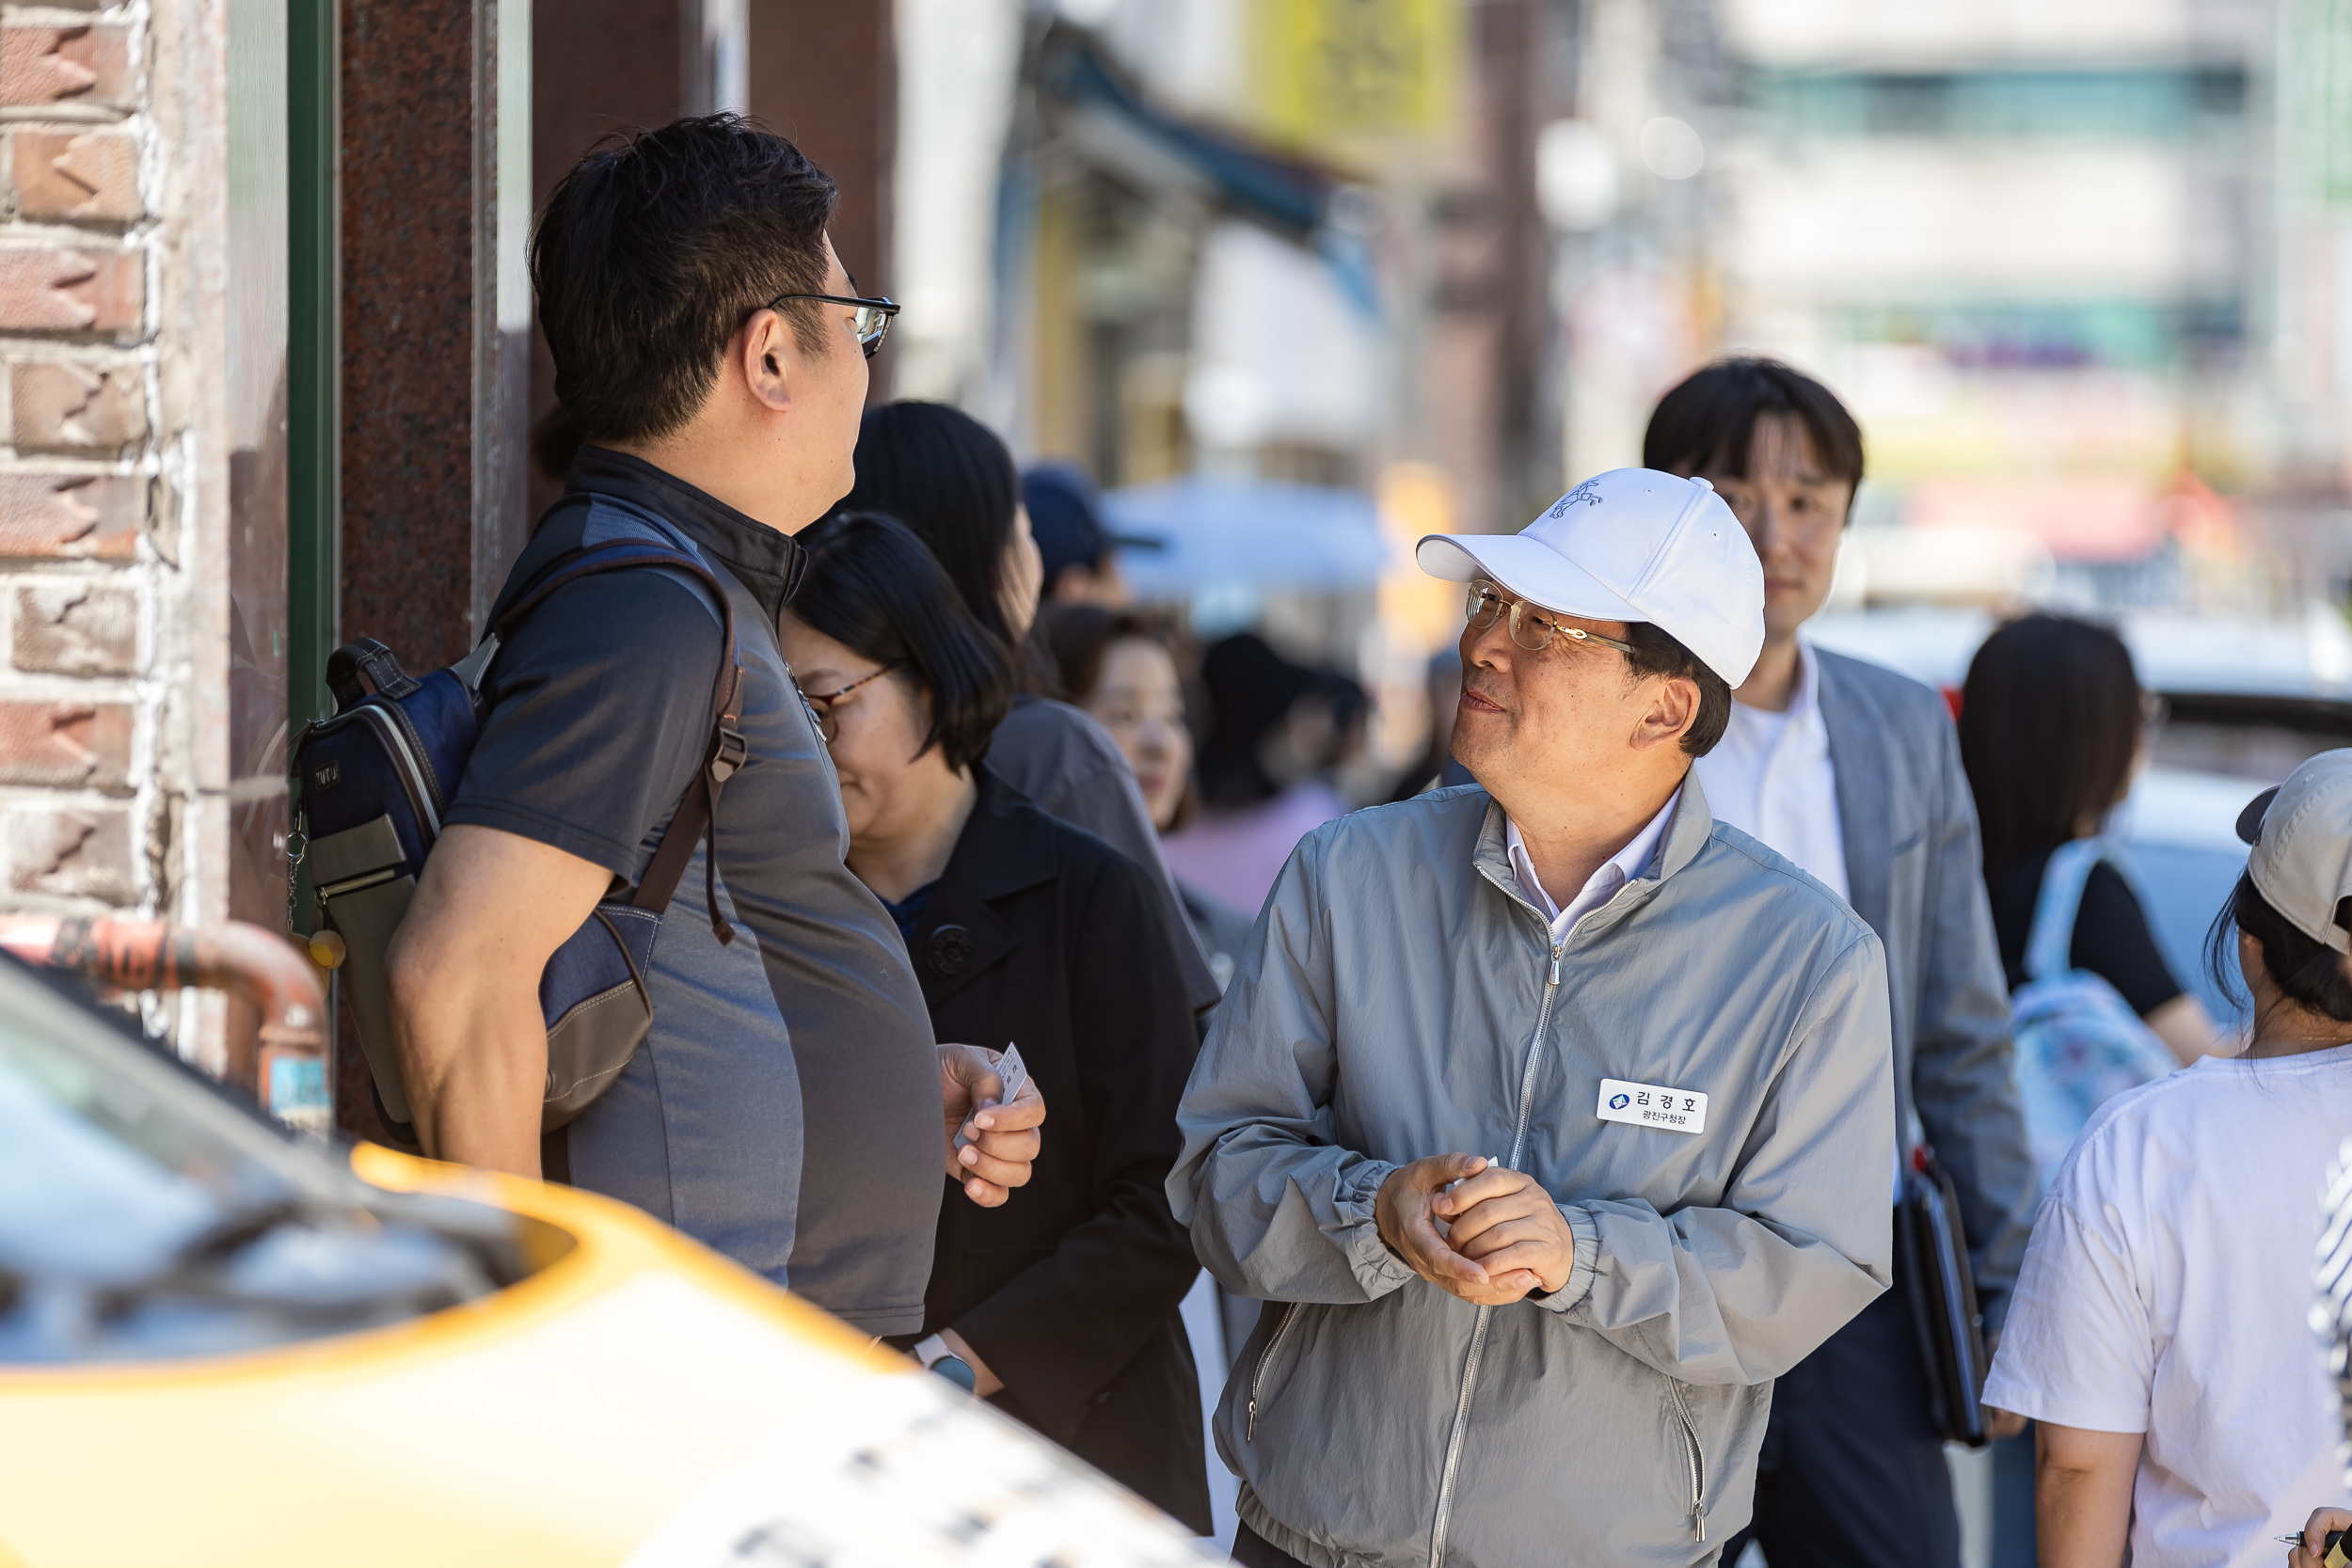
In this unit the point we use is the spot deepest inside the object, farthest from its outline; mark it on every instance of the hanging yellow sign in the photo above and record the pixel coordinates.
(1342, 71)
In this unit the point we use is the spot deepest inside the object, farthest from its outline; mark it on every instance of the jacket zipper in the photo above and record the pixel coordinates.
(1478, 1331)
(1257, 1375)
(1697, 1457)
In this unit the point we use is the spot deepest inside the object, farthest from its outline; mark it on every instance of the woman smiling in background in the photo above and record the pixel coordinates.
(1117, 668)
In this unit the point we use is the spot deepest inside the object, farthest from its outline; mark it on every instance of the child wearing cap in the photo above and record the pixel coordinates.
(2158, 1330)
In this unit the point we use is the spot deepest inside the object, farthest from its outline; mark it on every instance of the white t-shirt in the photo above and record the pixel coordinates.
(2168, 1291)
(1770, 777)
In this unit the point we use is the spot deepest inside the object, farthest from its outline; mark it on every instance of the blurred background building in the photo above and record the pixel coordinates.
(2076, 268)
(2043, 252)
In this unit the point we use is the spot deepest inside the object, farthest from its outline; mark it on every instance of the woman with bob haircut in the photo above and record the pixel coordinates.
(948, 478)
(2052, 721)
(2052, 725)
(1024, 931)
(2158, 1337)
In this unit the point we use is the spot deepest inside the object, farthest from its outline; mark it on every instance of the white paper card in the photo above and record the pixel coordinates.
(1652, 1106)
(1015, 1071)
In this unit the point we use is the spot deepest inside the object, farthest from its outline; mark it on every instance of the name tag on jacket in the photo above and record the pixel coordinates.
(1652, 1106)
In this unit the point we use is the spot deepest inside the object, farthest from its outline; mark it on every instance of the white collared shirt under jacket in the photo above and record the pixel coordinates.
(1602, 886)
(1771, 778)
(1404, 996)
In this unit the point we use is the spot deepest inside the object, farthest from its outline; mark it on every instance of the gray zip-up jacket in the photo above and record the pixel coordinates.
(1401, 998)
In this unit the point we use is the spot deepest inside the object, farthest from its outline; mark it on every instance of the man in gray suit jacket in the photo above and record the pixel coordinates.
(1853, 772)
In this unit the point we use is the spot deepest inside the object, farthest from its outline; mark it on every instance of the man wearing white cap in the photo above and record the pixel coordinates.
(1538, 1110)
(2159, 1338)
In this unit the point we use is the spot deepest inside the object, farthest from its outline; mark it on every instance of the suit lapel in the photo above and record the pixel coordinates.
(1006, 846)
(1858, 738)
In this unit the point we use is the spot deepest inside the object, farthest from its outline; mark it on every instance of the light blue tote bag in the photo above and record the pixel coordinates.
(2078, 1042)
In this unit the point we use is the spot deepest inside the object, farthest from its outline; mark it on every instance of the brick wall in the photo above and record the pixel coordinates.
(113, 580)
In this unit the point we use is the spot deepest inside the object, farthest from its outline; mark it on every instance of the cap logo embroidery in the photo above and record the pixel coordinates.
(1588, 493)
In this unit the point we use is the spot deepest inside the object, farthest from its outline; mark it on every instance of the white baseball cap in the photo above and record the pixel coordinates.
(2302, 837)
(1630, 545)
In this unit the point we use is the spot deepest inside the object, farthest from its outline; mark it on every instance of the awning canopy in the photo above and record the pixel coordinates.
(1114, 126)
(1256, 534)
(1283, 193)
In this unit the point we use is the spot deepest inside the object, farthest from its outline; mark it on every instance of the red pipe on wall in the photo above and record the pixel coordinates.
(246, 960)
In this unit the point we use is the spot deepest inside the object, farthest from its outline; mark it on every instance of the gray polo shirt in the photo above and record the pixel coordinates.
(786, 1109)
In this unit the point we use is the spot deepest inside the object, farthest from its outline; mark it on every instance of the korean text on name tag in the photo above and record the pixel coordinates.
(1652, 1106)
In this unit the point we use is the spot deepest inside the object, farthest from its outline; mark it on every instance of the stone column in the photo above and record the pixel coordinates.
(433, 428)
(423, 445)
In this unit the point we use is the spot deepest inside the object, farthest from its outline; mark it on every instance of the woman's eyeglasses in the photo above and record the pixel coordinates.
(1530, 631)
(823, 701)
(871, 323)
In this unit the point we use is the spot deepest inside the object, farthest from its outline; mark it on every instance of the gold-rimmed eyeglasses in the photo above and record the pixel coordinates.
(1530, 630)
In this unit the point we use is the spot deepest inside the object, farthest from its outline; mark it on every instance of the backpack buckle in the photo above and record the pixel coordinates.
(727, 755)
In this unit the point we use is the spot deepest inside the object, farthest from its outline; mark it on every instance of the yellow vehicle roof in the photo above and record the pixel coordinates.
(638, 1398)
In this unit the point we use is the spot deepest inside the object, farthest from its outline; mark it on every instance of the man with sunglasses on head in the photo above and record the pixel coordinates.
(1853, 772)
(1535, 1109)
(790, 1106)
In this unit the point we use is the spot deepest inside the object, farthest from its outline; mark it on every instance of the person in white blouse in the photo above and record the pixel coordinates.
(1853, 772)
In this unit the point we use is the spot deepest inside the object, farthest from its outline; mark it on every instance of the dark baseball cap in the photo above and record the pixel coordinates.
(1066, 523)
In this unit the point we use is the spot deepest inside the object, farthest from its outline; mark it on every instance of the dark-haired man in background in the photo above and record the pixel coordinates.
(1533, 1111)
(789, 1107)
(1853, 772)
(1079, 555)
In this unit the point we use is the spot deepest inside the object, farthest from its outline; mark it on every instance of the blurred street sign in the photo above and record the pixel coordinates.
(1336, 74)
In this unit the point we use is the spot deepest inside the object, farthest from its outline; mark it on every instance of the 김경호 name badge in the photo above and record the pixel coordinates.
(1652, 1106)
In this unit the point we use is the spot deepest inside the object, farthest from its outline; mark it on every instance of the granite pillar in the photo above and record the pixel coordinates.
(410, 208)
(425, 443)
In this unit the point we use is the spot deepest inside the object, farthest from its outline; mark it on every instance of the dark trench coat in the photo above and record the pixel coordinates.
(1040, 934)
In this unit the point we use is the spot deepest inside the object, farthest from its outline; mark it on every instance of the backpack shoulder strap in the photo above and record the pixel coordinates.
(695, 818)
(613, 555)
(2050, 942)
